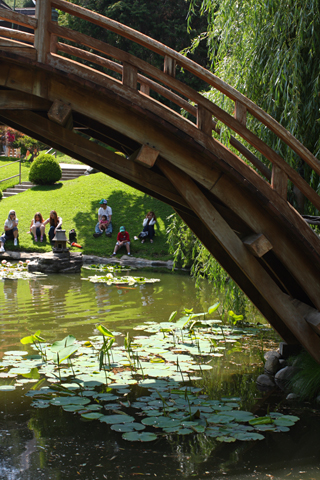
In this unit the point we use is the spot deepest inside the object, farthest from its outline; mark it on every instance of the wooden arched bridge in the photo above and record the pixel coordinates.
(235, 205)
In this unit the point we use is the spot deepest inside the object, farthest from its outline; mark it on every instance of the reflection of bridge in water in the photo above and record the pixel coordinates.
(240, 214)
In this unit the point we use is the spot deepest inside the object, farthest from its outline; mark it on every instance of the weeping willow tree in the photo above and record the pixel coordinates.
(269, 50)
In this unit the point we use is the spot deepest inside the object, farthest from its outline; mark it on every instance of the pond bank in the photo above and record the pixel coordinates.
(93, 259)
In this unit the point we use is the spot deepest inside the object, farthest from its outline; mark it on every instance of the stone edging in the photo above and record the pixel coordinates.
(92, 259)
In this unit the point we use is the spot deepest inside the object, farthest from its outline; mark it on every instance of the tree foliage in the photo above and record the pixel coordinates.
(269, 51)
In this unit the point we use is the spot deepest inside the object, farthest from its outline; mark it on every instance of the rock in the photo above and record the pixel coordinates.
(292, 397)
(272, 364)
(53, 262)
(283, 376)
(265, 382)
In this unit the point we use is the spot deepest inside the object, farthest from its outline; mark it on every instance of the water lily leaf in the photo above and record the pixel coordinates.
(128, 427)
(291, 418)
(226, 439)
(139, 437)
(7, 388)
(33, 374)
(116, 419)
(107, 397)
(265, 428)
(65, 353)
(91, 415)
(247, 436)
(105, 332)
(261, 421)
(284, 422)
(60, 344)
(72, 400)
(219, 419)
(16, 353)
(72, 408)
(213, 308)
(280, 428)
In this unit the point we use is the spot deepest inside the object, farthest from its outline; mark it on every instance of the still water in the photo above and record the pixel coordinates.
(53, 444)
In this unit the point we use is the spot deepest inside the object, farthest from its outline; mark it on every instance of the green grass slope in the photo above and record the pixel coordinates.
(77, 202)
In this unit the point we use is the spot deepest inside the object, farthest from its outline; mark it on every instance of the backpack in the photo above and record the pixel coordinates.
(72, 235)
(143, 235)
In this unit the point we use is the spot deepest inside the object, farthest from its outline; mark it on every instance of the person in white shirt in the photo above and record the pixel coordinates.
(107, 211)
(10, 230)
(148, 226)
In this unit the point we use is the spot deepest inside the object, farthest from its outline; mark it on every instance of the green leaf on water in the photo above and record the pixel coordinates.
(139, 437)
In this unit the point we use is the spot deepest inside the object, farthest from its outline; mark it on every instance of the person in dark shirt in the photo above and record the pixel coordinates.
(123, 239)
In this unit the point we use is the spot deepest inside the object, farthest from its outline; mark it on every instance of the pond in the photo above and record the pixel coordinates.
(51, 443)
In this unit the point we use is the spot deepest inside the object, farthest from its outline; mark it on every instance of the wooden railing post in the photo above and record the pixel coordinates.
(279, 181)
(129, 75)
(204, 120)
(241, 113)
(42, 34)
(170, 66)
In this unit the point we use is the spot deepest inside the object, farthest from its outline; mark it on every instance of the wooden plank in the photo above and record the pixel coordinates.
(22, 51)
(10, 99)
(16, 34)
(279, 181)
(257, 244)
(42, 34)
(144, 88)
(241, 112)
(129, 76)
(198, 71)
(145, 156)
(18, 18)
(246, 262)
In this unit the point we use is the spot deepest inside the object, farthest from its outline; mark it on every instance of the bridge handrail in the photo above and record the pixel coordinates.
(242, 103)
(194, 68)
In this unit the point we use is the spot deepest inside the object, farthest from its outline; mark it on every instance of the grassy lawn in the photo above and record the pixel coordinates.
(77, 202)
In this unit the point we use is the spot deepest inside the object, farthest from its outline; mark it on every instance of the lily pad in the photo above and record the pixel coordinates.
(139, 437)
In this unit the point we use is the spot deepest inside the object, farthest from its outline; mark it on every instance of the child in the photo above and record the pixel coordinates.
(103, 223)
(37, 228)
(123, 239)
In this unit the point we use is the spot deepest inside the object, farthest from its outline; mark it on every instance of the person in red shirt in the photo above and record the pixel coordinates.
(123, 239)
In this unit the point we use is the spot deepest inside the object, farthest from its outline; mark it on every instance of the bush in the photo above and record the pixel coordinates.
(45, 170)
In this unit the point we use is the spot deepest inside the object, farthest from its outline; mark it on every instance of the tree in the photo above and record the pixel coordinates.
(269, 51)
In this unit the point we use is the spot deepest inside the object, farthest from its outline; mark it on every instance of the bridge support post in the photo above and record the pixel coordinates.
(248, 264)
(42, 35)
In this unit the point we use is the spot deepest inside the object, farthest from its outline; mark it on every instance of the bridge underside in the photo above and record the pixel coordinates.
(244, 224)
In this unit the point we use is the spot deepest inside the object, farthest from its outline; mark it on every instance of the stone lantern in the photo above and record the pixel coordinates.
(60, 241)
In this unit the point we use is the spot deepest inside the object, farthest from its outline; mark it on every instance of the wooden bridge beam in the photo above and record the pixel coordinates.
(249, 265)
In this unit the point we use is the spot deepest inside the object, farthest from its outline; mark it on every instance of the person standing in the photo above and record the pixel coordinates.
(10, 230)
(123, 240)
(107, 211)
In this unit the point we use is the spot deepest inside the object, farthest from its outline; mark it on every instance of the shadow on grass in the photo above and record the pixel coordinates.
(128, 210)
(47, 188)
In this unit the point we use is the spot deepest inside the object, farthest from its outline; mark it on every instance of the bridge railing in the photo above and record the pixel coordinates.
(44, 47)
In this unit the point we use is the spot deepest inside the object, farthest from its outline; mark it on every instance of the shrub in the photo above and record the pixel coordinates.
(45, 170)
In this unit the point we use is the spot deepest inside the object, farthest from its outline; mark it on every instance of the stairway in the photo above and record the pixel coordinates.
(69, 172)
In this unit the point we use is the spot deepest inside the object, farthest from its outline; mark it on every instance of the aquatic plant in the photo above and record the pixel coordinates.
(170, 364)
(109, 279)
(305, 382)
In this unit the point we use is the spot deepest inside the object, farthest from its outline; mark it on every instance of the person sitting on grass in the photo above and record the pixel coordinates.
(55, 223)
(123, 239)
(37, 227)
(148, 225)
(10, 230)
(103, 224)
(107, 211)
